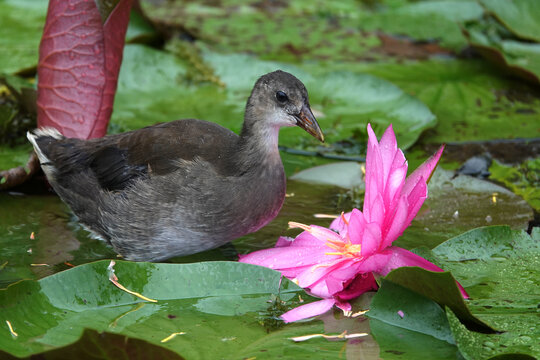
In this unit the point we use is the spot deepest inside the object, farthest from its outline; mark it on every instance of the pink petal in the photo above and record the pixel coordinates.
(288, 257)
(340, 224)
(283, 241)
(388, 148)
(360, 284)
(355, 229)
(306, 239)
(416, 199)
(343, 305)
(395, 183)
(397, 224)
(401, 257)
(377, 210)
(371, 241)
(308, 310)
(423, 171)
(373, 263)
(317, 274)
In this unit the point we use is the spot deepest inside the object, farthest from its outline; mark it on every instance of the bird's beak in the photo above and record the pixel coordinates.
(307, 121)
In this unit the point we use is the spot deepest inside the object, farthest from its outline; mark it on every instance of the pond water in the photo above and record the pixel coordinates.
(59, 242)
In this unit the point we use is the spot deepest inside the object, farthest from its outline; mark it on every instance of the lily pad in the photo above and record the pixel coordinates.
(469, 98)
(54, 311)
(20, 33)
(520, 58)
(105, 346)
(498, 267)
(288, 31)
(347, 175)
(524, 179)
(521, 17)
(413, 328)
(426, 20)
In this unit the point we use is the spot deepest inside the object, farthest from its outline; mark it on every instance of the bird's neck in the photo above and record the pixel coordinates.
(259, 141)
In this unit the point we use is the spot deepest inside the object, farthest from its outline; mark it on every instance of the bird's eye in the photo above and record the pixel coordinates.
(281, 97)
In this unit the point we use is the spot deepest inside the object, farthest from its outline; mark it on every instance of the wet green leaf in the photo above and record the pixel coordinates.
(520, 58)
(414, 327)
(54, 311)
(469, 98)
(106, 346)
(21, 25)
(440, 287)
(524, 179)
(499, 268)
(521, 17)
(426, 20)
(288, 31)
(475, 346)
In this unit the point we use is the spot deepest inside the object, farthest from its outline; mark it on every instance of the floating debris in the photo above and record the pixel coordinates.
(172, 336)
(325, 216)
(32, 236)
(13, 333)
(40, 265)
(114, 280)
(343, 335)
(401, 313)
(359, 313)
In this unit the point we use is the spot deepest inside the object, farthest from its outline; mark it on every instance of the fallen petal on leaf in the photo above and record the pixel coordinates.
(343, 335)
(114, 280)
(172, 336)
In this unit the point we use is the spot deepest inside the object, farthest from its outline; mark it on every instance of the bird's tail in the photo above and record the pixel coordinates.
(40, 138)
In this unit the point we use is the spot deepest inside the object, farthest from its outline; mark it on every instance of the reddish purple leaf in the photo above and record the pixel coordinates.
(79, 60)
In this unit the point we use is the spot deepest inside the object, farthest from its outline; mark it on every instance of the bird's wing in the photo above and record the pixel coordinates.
(156, 150)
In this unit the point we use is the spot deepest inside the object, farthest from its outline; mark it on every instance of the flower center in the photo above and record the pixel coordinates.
(343, 248)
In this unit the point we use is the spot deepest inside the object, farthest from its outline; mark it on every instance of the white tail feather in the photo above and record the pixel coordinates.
(47, 131)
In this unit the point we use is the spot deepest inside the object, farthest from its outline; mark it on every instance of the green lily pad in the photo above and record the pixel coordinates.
(520, 58)
(105, 346)
(288, 31)
(20, 33)
(440, 287)
(469, 98)
(426, 20)
(523, 179)
(521, 17)
(474, 346)
(54, 311)
(498, 267)
(347, 175)
(414, 327)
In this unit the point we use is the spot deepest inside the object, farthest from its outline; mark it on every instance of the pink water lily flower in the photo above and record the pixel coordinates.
(339, 263)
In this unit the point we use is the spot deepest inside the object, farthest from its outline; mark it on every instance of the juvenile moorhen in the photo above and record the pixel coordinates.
(180, 187)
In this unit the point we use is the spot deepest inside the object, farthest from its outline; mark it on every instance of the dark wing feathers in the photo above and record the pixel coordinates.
(117, 160)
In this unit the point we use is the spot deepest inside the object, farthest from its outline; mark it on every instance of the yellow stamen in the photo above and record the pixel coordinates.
(294, 225)
(343, 248)
(343, 218)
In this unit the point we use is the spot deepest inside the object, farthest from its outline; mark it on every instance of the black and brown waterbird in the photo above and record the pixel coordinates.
(180, 187)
